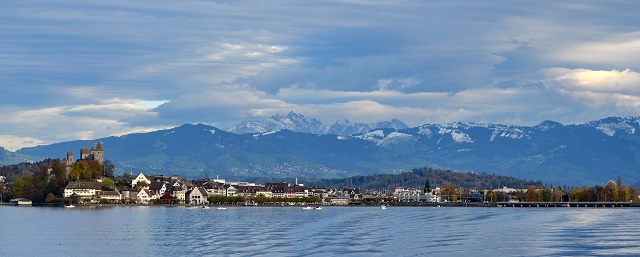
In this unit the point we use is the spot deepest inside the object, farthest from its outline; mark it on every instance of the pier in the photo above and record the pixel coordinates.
(568, 204)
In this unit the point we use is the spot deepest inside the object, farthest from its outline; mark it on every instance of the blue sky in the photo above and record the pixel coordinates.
(89, 69)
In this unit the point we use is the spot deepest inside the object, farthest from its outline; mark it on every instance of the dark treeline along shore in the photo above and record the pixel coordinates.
(416, 177)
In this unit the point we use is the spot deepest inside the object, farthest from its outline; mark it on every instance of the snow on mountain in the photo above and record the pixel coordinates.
(393, 124)
(547, 125)
(345, 128)
(381, 139)
(292, 121)
(299, 123)
(610, 126)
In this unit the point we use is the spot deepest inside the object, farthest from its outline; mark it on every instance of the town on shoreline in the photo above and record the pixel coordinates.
(89, 181)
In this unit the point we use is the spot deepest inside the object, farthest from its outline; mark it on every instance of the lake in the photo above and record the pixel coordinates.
(292, 231)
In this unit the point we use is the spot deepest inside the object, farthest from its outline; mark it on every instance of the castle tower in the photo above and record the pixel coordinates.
(98, 153)
(70, 159)
(84, 153)
(68, 162)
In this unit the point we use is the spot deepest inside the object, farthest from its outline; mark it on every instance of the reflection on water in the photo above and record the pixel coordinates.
(276, 231)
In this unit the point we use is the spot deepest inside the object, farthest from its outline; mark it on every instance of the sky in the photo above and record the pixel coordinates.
(87, 69)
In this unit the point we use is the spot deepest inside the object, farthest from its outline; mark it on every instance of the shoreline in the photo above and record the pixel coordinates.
(358, 204)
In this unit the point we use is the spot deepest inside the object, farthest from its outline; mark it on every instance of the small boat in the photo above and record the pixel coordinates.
(70, 206)
(204, 207)
(319, 208)
(222, 208)
(307, 208)
(383, 207)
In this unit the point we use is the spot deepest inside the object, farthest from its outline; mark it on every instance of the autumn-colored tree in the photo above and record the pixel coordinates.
(611, 190)
(633, 194)
(50, 197)
(491, 196)
(532, 194)
(108, 184)
(80, 170)
(448, 189)
(557, 194)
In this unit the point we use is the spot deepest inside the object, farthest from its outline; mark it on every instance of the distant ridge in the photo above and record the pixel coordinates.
(581, 154)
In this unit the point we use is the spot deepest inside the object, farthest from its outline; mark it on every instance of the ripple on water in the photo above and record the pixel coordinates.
(275, 231)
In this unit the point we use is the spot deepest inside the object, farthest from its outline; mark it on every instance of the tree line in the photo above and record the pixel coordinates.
(417, 176)
(45, 180)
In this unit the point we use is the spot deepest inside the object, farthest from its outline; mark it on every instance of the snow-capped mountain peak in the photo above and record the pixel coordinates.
(299, 123)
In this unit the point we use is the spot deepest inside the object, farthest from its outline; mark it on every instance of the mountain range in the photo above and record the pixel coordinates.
(293, 145)
(299, 123)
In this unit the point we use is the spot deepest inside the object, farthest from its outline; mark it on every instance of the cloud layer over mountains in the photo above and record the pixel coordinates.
(86, 69)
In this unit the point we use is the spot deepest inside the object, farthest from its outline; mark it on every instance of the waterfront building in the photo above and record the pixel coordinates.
(198, 196)
(144, 196)
(113, 196)
(337, 201)
(20, 202)
(83, 189)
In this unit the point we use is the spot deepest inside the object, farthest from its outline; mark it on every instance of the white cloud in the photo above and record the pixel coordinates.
(116, 66)
(598, 81)
(13, 143)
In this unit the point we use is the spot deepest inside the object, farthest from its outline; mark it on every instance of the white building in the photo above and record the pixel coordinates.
(337, 201)
(144, 196)
(110, 195)
(82, 189)
(140, 178)
(198, 196)
(414, 195)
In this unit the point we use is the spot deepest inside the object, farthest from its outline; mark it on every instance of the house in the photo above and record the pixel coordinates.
(276, 188)
(158, 187)
(20, 202)
(231, 191)
(179, 194)
(336, 201)
(248, 191)
(264, 193)
(144, 196)
(128, 195)
(214, 188)
(113, 196)
(198, 196)
(83, 189)
(353, 193)
(140, 178)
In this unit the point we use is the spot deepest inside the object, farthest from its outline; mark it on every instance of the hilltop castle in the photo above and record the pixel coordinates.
(95, 154)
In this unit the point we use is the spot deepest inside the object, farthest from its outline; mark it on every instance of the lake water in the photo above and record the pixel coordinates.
(292, 231)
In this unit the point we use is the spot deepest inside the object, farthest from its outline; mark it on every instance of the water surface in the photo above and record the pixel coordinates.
(292, 231)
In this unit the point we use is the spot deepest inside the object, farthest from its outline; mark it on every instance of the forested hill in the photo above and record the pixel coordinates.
(7, 157)
(12, 172)
(416, 178)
